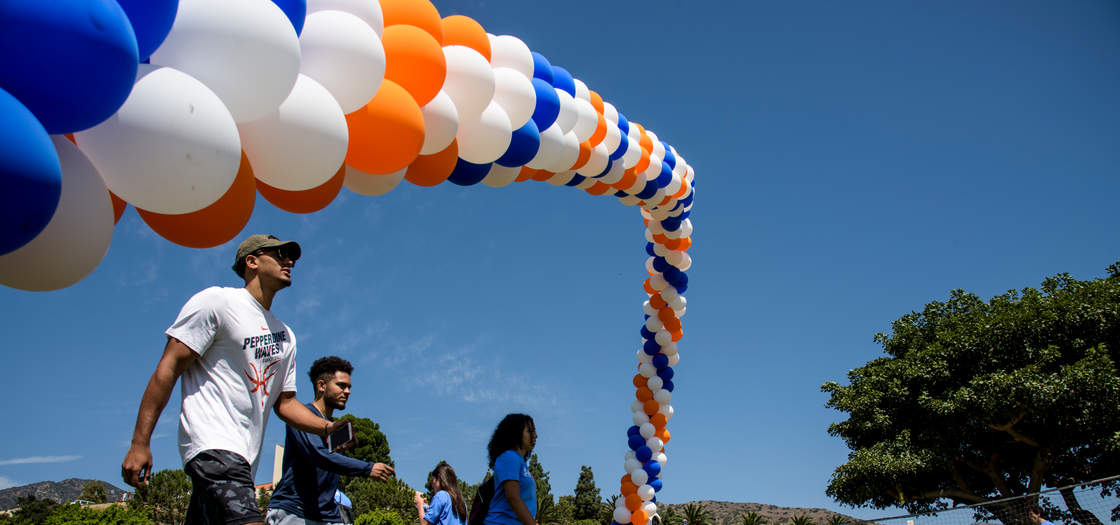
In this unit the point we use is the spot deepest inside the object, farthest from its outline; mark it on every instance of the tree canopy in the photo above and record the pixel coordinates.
(372, 444)
(587, 502)
(980, 400)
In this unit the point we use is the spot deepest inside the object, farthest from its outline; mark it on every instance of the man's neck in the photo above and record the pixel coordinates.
(321, 405)
(262, 295)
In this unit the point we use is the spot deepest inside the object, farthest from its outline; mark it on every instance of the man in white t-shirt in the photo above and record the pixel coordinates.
(237, 361)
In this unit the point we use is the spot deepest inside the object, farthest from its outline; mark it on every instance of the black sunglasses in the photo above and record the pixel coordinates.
(281, 252)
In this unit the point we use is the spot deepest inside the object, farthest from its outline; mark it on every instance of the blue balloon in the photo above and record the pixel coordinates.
(548, 104)
(620, 194)
(623, 124)
(653, 468)
(671, 224)
(685, 214)
(649, 191)
(542, 69)
(633, 430)
(562, 80)
(660, 361)
(656, 484)
(671, 274)
(71, 62)
(660, 264)
(665, 177)
(151, 21)
(665, 374)
(468, 173)
(635, 441)
(650, 347)
(682, 287)
(644, 453)
(646, 333)
(687, 200)
(669, 157)
(29, 173)
(295, 10)
(577, 179)
(668, 385)
(523, 146)
(649, 249)
(621, 149)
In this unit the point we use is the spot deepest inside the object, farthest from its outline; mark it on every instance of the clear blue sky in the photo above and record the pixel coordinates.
(854, 161)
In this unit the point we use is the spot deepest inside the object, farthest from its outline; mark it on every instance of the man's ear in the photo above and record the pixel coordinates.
(320, 386)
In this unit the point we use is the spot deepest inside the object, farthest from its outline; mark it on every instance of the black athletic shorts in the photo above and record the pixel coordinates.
(221, 490)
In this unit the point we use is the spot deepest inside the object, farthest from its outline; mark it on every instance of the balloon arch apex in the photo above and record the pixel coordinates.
(147, 103)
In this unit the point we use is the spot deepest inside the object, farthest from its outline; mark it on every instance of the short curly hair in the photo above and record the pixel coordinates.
(325, 367)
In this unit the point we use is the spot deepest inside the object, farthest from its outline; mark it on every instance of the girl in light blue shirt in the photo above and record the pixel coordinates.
(447, 507)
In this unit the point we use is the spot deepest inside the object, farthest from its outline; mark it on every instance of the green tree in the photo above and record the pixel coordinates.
(379, 517)
(545, 502)
(564, 511)
(696, 515)
(394, 495)
(587, 500)
(670, 516)
(33, 510)
(165, 498)
(752, 518)
(606, 509)
(372, 444)
(263, 497)
(837, 519)
(980, 400)
(112, 515)
(801, 519)
(95, 492)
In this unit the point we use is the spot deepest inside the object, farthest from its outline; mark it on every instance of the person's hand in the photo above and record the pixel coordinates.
(137, 465)
(418, 499)
(381, 471)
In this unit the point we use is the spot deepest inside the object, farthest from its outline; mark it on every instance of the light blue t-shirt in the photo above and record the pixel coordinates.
(511, 466)
(440, 511)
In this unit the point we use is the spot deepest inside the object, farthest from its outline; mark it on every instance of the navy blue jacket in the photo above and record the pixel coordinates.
(311, 475)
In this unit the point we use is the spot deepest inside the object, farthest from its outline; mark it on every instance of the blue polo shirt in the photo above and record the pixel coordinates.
(511, 466)
(440, 511)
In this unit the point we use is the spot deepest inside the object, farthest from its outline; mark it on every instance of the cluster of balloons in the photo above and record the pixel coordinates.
(186, 109)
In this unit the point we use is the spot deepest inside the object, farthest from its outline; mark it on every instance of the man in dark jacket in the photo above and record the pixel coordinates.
(305, 494)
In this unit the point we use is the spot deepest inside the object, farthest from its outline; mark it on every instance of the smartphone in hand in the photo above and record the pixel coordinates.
(341, 438)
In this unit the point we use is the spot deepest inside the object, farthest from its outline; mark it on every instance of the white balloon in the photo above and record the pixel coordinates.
(613, 175)
(643, 357)
(658, 147)
(621, 515)
(484, 138)
(669, 293)
(669, 348)
(639, 476)
(514, 92)
(649, 265)
(613, 138)
(582, 93)
(648, 308)
(369, 12)
(610, 113)
(344, 54)
(77, 237)
(597, 162)
(646, 493)
(640, 417)
(302, 143)
(654, 324)
(568, 115)
(569, 153)
(655, 384)
(636, 406)
(586, 119)
(686, 261)
(662, 459)
(509, 51)
(551, 149)
(654, 168)
(499, 175)
(662, 338)
(441, 123)
(654, 443)
(561, 178)
(667, 410)
(647, 370)
(632, 463)
(679, 302)
(171, 148)
(680, 313)
(637, 187)
(469, 81)
(674, 359)
(658, 283)
(586, 183)
(680, 169)
(246, 52)
(674, 185)
(648, 235)
(371, 184)
(650, 508)
(629, 200)
(664, 396)
(647, 431)
(686, 227)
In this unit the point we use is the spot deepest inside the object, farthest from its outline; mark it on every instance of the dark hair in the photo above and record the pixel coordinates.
(450, 483)
(507, 435)
(325, 368)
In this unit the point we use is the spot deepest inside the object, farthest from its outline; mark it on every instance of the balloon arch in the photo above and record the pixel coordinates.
(186, 109)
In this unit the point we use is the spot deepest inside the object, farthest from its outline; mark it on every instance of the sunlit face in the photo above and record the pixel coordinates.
(528, 438)
(335, 390)
(273, 265)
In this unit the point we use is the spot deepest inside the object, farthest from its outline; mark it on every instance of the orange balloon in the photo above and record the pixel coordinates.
(644, 394)
(683, 191)
(676, 334)
(650, 407)
(639, 381)
(599, 188)
(648, 287)
(584, 155)
(639, 517)
(629, 177)
(525, 174)
(600, 131)
(672, 325)
(686, 243)
(633, 502)
(663, 435)
(627, 482)
(660, 238)
(643, 162)
(386, 135)
(542, 175)
(645, 142)
(414, 59)
(305, 201)
(657, 302)
(118, 206)
(431, 170)
(459, 30)
(419, 13)
(215, 224)
(666, 314)
(659, 421)
(596, 101)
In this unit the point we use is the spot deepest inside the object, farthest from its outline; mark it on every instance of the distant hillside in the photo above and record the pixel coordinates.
(728, 513)
(63, 491)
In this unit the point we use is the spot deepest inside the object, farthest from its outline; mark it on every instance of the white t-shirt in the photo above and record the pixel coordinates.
(246, 357)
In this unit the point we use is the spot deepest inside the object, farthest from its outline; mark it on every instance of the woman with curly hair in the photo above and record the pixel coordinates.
(448, 507)
(515, 490)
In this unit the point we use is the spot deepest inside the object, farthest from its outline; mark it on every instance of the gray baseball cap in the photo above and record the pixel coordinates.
(257, 242)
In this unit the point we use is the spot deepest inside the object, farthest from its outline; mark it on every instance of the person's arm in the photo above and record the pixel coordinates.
(137, 465)
(418, 499)
(322, 457)
(512, 489)
(292, 412)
